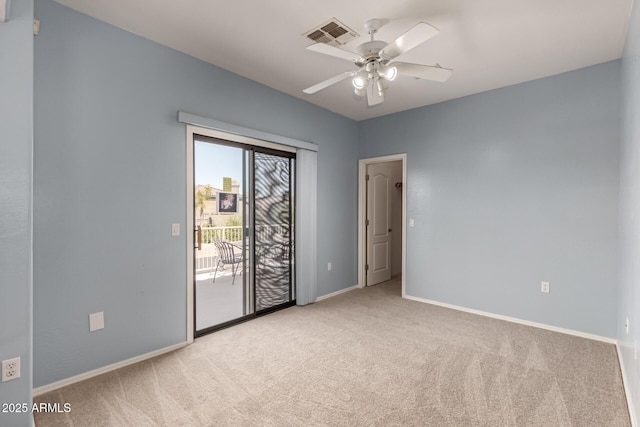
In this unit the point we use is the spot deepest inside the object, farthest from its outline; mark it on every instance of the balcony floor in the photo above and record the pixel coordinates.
(220, 301)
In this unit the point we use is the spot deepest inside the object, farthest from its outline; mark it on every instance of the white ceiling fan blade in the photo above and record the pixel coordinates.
(419, 34)
(333, 80)
(374, 97)
(426, 72)
(334, 51)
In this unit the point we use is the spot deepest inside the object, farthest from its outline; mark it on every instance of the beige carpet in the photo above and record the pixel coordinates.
(366, 357)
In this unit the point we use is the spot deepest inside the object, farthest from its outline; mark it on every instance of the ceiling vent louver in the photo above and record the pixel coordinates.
(332, 32)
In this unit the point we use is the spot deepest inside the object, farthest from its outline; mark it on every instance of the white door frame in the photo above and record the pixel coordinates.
(362, 214)
(190, 130)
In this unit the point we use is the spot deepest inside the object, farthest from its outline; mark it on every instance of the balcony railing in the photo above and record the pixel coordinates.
(230, 234)
(207, 257)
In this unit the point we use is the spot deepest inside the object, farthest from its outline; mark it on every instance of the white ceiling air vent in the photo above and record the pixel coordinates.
(332, 32)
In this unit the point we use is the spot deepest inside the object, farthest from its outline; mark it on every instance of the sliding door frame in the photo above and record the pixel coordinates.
(241, 135)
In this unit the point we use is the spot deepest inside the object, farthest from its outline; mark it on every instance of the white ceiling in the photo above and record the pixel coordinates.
(489, 43)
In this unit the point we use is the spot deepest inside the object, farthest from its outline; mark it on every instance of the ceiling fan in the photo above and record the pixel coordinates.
(373, 59)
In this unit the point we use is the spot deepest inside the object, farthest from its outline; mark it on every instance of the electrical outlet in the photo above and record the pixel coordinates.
(544, 287)
(10, 369)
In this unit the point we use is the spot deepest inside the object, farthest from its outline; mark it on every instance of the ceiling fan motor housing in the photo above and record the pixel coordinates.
(370, 50)
(372, 68)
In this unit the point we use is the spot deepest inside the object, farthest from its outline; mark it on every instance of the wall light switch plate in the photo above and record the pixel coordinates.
(544, 287)
(175, 229)
(412, 223)
(96, 321)
(329, 266)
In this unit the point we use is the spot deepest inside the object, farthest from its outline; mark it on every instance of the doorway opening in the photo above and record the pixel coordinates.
(382, 220)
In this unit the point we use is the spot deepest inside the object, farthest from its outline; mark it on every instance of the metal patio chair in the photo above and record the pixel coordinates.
(228, 254)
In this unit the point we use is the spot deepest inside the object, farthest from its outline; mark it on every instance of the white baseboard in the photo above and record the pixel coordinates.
(341, 291)
(515, 320)
(627, 392)
(85, 376)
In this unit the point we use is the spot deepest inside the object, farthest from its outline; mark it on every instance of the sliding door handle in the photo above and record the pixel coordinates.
(199, 238)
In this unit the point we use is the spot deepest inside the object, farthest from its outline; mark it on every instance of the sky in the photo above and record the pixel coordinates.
(214, 161)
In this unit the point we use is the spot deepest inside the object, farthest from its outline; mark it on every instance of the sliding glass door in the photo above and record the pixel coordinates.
(273, 226)
(243, 216)
(220, 217)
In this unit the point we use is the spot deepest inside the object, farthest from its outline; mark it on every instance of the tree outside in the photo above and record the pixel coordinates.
(203, 194)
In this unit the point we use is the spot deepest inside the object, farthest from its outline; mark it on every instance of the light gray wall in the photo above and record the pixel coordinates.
(629, 273)
(110, 180)
(16, 136)
(512, 187)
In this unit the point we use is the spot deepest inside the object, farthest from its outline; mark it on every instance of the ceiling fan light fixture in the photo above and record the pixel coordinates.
(359, 82)
(360, 91)
(389, 73)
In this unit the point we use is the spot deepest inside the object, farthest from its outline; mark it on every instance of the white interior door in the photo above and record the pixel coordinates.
(378, 224)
